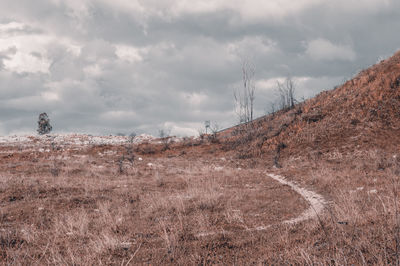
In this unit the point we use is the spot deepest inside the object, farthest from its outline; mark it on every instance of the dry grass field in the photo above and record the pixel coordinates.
(74, 205)
(79, 205)
(212, 200)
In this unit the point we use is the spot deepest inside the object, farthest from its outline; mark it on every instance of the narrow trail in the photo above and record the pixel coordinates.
(316, 201)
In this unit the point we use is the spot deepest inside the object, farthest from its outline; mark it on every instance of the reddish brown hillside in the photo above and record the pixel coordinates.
(363, 113)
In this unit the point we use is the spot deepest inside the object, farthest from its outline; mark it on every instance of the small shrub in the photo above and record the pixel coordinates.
(165, 138)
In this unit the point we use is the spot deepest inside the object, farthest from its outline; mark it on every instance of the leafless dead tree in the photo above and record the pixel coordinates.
(244, 97)
(286, 93)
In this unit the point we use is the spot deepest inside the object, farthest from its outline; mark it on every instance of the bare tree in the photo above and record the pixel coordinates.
(244, 97)
(207, 124)
(214, 130)
(164, 133)
(165, 138)
(286, 93)
(272, 109)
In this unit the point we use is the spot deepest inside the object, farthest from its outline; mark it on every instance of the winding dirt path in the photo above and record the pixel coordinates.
(316, 201)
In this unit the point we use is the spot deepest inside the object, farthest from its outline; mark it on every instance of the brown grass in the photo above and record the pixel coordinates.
(361, 225)
(195, 209)
(157, 210)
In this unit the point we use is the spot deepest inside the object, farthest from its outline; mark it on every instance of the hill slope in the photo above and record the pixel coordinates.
(362, 113)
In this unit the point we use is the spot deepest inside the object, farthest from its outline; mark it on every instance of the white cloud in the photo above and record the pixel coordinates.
(130, 5)
(30, 50)
(252, 46)
(51, 95)
(74, 49)
(129, 53)
(268, 84)
(23, 62)
(271, 85)
(305, 86)
(183, 129)
(321, 49)
(5, 28)
(194, 99)
(118, 115)
(93, 70)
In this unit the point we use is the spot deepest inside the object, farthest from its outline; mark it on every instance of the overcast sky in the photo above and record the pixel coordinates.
(109, 66)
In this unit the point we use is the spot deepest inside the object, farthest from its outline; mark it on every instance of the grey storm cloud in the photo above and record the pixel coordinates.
(104, 67)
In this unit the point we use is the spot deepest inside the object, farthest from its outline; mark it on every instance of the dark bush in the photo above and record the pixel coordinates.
(44, 126)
